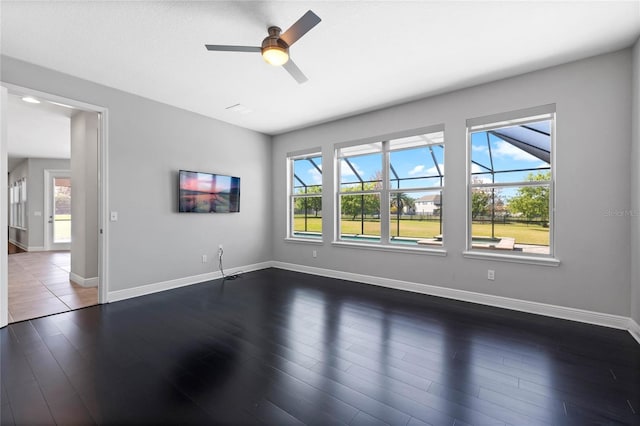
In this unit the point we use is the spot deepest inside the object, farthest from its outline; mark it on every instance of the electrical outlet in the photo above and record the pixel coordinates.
(204, 258)
(315, 253)
(491, 275)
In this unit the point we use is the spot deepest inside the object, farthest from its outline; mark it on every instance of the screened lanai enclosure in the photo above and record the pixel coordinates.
(391, 191)
(511, 185)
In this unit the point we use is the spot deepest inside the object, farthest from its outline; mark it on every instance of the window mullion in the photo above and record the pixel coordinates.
(384, 195)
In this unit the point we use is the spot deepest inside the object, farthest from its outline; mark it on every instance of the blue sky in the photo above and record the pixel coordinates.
(411, 163)
(505, 157)
(418, 162)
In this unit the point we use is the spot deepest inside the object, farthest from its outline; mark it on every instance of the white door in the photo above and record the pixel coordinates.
(57, 209)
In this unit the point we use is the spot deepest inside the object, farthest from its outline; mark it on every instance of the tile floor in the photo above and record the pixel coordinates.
(39, 285)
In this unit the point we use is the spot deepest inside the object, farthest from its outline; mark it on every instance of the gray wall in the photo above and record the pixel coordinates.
(593, 148)
(34, 169)
(84, 193)
(635, 188)
(148, 143)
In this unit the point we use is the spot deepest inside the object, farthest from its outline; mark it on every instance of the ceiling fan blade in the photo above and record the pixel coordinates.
(295, 72)
(300, 28)
(224, 48)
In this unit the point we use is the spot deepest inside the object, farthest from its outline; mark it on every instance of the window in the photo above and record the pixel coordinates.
(390, 191)
(18, 204)
(511, 185)
(305, 196)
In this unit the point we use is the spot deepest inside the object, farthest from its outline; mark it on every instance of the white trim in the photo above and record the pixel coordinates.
(4, 205)
(573, 314)
(27, 248)
(144, 290)
(514, 258)
(103, 205)
(318, 242)
(84, 282)
(17, 244)
(397, 248)
(511, 117)
(634, 329)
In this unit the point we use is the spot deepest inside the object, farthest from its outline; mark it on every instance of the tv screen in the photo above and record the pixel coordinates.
(208, 193)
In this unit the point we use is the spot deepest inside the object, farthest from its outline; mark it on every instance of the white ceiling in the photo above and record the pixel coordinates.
(37, 130)
(362, 56)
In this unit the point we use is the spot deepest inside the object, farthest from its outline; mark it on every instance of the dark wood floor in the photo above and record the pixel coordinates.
(278, 347)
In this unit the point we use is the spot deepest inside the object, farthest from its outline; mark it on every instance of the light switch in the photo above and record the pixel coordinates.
(114, 216)
(37, 213)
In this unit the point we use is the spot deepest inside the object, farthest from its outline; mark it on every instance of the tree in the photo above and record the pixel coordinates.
(303, 204)
(62, 199)
(532, 201)
(401, 200)
(354, 205)
(479, 203)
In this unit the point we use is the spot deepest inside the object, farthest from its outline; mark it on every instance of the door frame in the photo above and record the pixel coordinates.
(4, 206)
(49, 174)
(103, 189)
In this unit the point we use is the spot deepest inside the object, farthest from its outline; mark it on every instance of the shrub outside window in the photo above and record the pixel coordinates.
(511, 186)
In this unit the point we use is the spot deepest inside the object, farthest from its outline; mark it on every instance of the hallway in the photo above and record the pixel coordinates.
(39, 285)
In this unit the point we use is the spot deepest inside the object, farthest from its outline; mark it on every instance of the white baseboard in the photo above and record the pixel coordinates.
(84, 282)
(114, 296)
(35, 248)
(19, 245)
(573, 314)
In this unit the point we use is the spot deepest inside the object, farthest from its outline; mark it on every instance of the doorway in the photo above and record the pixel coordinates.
(57, 184)
(52, 261)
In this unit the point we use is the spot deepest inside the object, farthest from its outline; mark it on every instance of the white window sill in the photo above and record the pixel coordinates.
(514, 258)
(392, 248)
(304, 241)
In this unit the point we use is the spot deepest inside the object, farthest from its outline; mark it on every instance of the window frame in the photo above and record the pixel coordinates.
(291, 195)
(498, 121)
(385, 192)
(18, 204)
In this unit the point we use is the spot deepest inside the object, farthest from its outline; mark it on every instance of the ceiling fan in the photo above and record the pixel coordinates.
(275, 47)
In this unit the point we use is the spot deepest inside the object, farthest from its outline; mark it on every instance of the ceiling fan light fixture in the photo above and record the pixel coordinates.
(275, 55)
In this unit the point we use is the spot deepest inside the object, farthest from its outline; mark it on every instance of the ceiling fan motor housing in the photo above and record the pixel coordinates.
(274, 40)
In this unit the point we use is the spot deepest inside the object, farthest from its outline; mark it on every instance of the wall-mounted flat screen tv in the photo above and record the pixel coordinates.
(208, 193)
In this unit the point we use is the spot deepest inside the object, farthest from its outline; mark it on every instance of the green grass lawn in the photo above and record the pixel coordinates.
(523, 233)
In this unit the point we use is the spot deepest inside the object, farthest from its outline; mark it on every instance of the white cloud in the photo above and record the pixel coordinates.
(479, 148)
(434, 170)
(316, 176)
(505, 149)
(417, 169)
(477, 169)
(345, 170)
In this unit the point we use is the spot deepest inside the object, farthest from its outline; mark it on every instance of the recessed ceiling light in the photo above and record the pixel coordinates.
(30, 99)
(239, 108)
